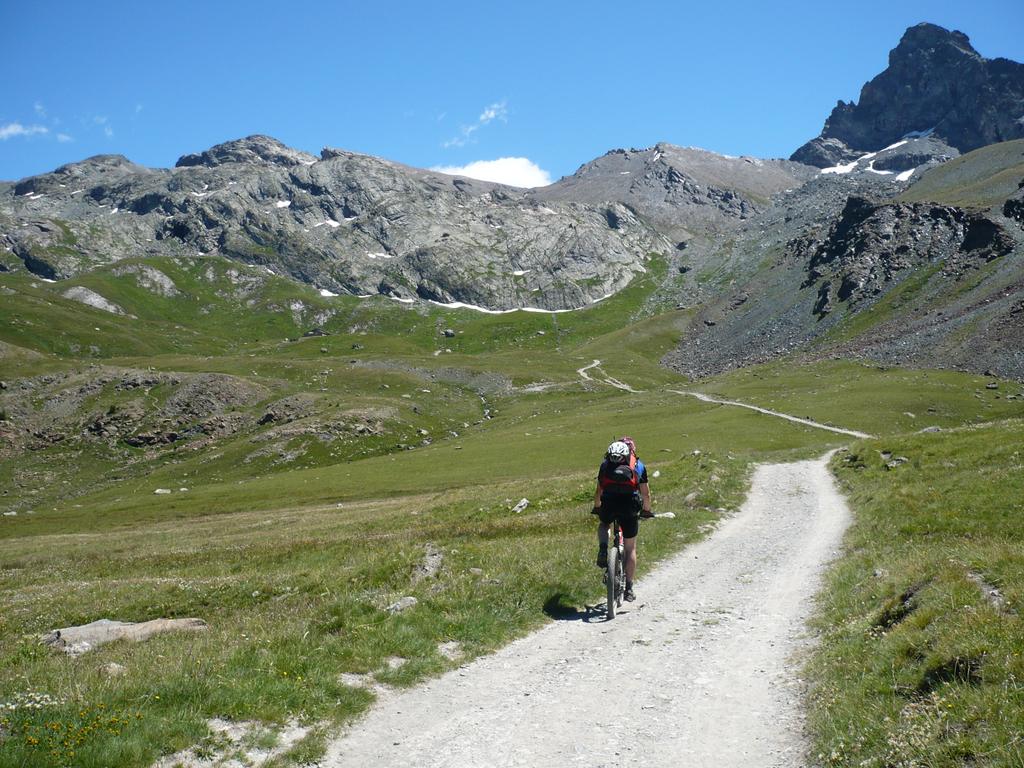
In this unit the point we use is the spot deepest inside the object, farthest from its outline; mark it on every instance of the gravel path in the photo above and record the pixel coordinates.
(796, 419)
(700, 671)
(596, 365)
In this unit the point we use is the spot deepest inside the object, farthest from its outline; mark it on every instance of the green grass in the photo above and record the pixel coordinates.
(980, 179)
(921, 664)
(894, 305)
(875, 399)
(294, 561)
(222, 306)
(295, 598)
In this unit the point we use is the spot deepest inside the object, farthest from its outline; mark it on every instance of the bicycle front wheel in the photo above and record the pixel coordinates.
(612, 579)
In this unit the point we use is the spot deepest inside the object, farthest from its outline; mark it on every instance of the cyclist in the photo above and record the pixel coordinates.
(622, 493)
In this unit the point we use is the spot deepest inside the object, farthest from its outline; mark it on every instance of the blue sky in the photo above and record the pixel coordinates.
(447, 83)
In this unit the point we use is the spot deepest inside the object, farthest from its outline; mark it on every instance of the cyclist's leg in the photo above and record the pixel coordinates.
(630, 523)
(603, 534)
(629, 546)
(606, 516)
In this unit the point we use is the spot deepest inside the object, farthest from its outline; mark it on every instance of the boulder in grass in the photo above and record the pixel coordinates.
(91, 298)
(75, 641)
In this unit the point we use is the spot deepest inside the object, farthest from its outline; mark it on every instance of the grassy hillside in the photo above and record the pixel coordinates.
(980, 179)
(877, 399)
(311, 479)
(923, 652)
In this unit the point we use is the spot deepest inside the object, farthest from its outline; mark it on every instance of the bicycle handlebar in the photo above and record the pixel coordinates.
(643, 515)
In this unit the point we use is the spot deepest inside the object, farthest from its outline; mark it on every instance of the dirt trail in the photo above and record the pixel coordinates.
(796, 419)
(596, 365)
(700, 671)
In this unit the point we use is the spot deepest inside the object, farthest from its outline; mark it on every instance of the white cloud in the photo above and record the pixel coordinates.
(496, 111)
(39, 109)
(17, 129)
(64, 138)
(514, 171)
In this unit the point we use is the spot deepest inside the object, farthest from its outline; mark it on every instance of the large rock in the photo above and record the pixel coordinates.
(89, 297)
(822, 152)
(77, 640)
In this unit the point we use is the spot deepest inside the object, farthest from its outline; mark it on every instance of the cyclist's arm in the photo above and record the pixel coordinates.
(645, 497)
(597, 497)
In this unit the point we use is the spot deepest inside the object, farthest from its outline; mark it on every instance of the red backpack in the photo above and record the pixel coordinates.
(619, 479)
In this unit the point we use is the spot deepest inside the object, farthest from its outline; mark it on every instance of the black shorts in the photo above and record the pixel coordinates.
(625, 509)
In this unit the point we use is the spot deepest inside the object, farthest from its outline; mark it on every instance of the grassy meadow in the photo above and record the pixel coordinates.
(922, 660)
(293, 556)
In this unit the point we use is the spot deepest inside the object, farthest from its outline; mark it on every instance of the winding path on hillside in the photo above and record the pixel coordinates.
(596, 366)
(796, 419)
(702, 670)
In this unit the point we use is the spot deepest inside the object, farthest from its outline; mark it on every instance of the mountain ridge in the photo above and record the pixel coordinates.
(353, 223)
(346, 222)
(745, 239)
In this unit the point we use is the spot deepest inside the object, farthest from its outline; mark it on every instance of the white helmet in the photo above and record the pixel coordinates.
(618, 452)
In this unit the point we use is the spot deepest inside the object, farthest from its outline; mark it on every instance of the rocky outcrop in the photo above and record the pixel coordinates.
(91, 298)
(935, 82)
(874, 244)
(822, 152)
(149, 278)
(197, 406)
(1014, 209)
(75, 641)
(253, 150)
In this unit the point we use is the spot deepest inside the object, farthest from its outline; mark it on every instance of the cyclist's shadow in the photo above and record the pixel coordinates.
(559, 609)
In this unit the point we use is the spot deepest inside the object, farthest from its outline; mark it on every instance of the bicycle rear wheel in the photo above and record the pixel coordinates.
(620, 580)
(612, 579)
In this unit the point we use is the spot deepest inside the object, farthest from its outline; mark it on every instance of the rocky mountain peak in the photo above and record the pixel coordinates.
(91, 169)
(255, 149)
(937, 83)
(97, 163)
(926, 39)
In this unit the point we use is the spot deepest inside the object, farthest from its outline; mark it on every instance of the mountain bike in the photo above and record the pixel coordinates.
(615, 571)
